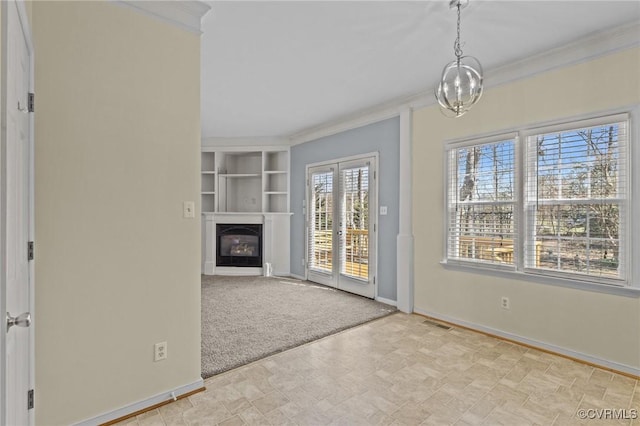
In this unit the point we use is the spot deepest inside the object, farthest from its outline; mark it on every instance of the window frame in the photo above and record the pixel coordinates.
(629, 231)
(528, 137)
(451, 188)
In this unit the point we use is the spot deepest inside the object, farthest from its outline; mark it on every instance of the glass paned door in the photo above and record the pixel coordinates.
(341, 244)
(320, 239)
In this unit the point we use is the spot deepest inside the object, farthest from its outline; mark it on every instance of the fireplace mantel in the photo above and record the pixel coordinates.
(274, 224)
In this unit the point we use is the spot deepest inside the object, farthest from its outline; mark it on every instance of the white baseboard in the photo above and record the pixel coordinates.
(387, 301)
(141, 405)
(299, 277)
(612, 365)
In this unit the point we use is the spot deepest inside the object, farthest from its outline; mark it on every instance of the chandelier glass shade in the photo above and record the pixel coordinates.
(461, 84)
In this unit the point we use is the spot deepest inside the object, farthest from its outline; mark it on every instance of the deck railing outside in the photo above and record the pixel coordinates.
(356, 262)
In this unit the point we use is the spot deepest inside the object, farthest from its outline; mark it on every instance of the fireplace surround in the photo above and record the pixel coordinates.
(239, 245)
(274, 248)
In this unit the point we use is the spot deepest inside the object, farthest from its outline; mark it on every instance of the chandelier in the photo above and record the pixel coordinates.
(461, 83)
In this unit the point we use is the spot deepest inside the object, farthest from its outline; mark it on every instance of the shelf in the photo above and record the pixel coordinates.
(208, 161)
(275, 183)
(239, 163)
(275, 161)
(245, 181)
(208, 202)
(275, 202)
(240, 175)
(208, 183)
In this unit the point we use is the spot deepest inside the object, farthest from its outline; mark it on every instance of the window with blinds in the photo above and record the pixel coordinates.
(354, 221)
(558, 206)
(481, 202)
(576, 194)
(321, 219)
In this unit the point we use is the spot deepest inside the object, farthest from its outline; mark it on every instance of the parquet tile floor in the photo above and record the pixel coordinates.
(399, 370)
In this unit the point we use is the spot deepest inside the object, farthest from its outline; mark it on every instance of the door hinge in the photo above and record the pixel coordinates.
(30, 399)
(374, 279)
(374, 227)
(30, 251)
(374, 174)
(31, 103)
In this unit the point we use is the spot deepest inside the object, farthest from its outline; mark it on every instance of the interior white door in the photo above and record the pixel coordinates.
(341, 239)
(16, 206)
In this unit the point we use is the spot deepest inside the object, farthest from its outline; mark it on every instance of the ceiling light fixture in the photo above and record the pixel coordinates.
(461, 83)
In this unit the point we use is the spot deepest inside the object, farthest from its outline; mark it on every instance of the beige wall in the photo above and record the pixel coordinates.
(595, 324)
(117, 152)
(29, 8)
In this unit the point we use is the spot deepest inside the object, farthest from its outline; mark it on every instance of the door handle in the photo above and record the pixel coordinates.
(22, 320)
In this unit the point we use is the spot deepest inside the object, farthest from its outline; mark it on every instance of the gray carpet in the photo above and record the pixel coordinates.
(247, 318)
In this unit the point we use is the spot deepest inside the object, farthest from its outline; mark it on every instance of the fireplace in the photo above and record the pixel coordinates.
(239, 245)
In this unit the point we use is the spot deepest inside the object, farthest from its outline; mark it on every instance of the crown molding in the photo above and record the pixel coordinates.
(585, 49)
(598, 44)
(244, 141)
(361, 118)
(182, 14)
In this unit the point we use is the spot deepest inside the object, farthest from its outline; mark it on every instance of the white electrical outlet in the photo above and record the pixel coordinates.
(505, 303)
(160, 351)
(189, 209)
(383, 210)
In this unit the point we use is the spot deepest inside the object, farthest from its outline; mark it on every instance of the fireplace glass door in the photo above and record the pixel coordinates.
(239, 245)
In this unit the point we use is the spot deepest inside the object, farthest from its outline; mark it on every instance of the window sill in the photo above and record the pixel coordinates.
(510, 273)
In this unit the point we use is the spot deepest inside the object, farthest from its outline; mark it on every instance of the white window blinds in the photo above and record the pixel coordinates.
(481, 202)
(354, 222)
(320, 250)
(576, 195)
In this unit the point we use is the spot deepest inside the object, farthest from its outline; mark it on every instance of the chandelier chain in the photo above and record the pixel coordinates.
(456, 46)
(461, 83)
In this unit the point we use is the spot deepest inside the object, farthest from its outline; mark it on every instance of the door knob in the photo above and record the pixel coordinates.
(22, 320)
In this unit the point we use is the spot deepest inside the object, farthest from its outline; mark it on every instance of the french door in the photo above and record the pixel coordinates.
(341, 225)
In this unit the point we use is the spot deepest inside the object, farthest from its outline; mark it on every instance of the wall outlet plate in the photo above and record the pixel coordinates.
(505, 303)
(160, 351)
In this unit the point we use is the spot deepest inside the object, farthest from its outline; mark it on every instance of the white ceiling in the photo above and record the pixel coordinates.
(277, 68)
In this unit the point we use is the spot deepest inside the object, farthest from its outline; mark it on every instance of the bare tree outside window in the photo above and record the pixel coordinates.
(577, 215)
(482, 203)
(557, 206)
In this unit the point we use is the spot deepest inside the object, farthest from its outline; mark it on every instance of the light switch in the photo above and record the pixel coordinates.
(189, 209)
(383, 210)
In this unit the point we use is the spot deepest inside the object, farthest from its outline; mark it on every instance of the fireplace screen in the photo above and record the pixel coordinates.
(239, 245)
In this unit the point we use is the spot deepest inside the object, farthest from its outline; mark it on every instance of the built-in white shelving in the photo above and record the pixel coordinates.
(246, 185)
(208, 181)
(245, 181)
(275, 180)
(239, 175)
